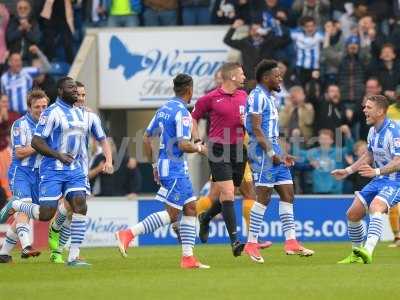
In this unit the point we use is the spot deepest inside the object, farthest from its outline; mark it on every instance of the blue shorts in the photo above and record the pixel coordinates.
(176, 192)
(384, 189)
(24, 183)
(55, 184)
(264, 172)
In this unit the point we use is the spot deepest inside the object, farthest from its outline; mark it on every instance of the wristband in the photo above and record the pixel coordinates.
(271, 153)
(377, 171)
(154, 165)
(349, 170)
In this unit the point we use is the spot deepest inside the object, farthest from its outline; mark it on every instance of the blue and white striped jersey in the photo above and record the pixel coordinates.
(63, 128)
(17, 86)
(307, 48)
(92, 128)
(172, 123)
(260, 101)
(21, 136)
(384, 144)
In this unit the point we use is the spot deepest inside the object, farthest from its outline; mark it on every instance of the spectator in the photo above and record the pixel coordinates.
(316, 9)
(297, 116)
(329, 112)
(326, 158)
(58, 22)
(223, 12)
(288, 81)
(274, 15)
(332, 51)
(370, 37)
(307, 42)
(44, 81)
(7, 118)
(351, 74)
(393, 112)
(18, 81)
(160, 12)
(98, 13)
(4, 18)
(195, 12)
(357, 181)
(123, 13)
(23, 31)
(387, 70)
(125, 181)
(258, 45)
(372, 87)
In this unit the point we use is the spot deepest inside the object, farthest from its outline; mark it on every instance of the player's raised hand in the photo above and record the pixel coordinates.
(65, 158)
(367, 171)
(276, 160)
(339, 174)
(289, 160)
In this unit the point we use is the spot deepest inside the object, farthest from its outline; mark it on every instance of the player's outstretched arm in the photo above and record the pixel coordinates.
(148, 150)
(365, 159)
(392, 166)
(41, 147)
(190, 147)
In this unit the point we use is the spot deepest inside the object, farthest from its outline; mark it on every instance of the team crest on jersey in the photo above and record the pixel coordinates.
(42, 120)
(396, 142)
(186, 121)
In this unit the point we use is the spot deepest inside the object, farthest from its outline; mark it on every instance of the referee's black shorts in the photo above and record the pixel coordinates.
(228, 162)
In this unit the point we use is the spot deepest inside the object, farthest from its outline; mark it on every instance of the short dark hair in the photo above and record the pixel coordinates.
(380, 100)
(34, 95)
(389, 45)
(60, 82)
(79, 84)
(306, 19)
(326, 131)
(227, 68)
(263, 67)
(181, 83)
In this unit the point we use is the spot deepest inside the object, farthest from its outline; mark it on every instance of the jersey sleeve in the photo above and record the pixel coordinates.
(202, 106)
(47, 123)
(18, 135)
(256, 103)
(96, 129)
(183, 122)
(153, 127)
(394, 144)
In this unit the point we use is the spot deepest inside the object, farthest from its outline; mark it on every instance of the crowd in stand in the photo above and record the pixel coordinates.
(331, 53)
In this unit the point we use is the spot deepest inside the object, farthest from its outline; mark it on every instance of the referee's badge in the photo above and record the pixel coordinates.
(42, 120)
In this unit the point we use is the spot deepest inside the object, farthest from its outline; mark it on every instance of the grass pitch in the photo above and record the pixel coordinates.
(154, 273)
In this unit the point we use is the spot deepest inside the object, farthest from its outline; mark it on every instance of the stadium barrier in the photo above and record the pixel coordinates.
(318, 219)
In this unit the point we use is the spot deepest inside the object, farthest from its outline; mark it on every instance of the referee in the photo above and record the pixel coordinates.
(227, 155)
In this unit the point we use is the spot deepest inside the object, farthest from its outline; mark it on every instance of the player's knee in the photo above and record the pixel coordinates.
(353, 215)
(227, 194)
(378, 206)
(77, 199)
(190, 209)
(46, 213)
(21, 218)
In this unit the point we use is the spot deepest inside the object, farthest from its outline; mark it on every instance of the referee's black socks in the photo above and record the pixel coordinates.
(214, 210)
(228, 212)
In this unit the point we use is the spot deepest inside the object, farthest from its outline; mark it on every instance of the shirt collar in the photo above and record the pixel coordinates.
(30, 118)
(266, 91)
(62, 103)
(384, 124)
(179, 99)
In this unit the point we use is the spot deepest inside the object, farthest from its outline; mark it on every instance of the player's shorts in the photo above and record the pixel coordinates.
(228, 165)
(176, 192)
(55, 184)
(24, 183)
(264, 172)
(382, 188)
